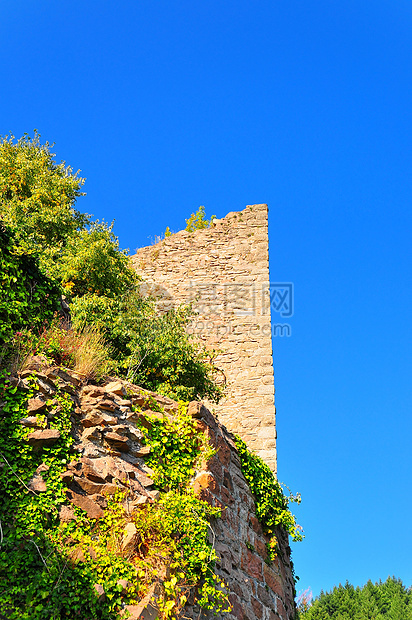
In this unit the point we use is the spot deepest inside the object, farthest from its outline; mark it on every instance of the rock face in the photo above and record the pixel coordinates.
(224, 272)
(110, 456)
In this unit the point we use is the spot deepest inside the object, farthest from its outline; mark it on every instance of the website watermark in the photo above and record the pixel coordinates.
(220, 307)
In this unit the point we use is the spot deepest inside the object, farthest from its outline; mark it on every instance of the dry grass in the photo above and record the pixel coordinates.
(92, 356)
(85, 351)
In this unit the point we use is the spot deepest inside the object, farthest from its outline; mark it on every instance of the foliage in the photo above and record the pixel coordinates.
(390, 600)
(92, 262)
(198, 221)
(151, 349)
(176, 448)
(30, 511)
(271, 504)
(186, 519)
(83, 351)
(48, 568)
(26, 294)
(37, 197)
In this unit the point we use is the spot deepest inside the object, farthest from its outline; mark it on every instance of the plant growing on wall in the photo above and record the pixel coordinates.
(50, 569)
(272, 507)
(151, 349)
(198, 221)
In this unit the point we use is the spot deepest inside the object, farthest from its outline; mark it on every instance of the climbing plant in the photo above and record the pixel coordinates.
(272, 507)
(51, 569)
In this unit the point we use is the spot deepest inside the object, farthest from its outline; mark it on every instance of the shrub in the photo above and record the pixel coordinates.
(198, 221)
(151, 349)
(27, 296)
(86, 351)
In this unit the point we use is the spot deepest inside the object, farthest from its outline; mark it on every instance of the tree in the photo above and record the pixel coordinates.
(92, 262)
(27, 296)
(37, 201)
(379, 601)
(37, 197)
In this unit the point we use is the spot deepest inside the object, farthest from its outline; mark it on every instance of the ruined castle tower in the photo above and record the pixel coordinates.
(224, 271)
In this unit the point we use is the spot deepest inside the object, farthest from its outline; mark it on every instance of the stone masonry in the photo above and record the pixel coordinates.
(258, 589)
(224, 271)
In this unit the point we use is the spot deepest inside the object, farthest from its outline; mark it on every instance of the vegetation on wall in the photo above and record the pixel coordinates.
(272, 506)
(56, 248)
(150, 348)
(198, 221)
(50, 569)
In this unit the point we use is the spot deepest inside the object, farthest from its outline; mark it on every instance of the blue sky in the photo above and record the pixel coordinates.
(306, 106)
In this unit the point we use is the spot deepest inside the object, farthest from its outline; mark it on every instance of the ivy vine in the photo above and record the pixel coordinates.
(272, 506)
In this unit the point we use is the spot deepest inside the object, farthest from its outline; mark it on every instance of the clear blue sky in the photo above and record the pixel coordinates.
(305, 105)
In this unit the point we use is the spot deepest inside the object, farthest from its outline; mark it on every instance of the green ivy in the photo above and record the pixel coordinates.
(39, 580)
(176, 447)
(272, 507)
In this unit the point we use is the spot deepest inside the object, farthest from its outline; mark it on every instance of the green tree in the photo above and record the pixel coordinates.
(92, 262)
(380, 601)
(37, 197)
(27, 296)
(37, 201)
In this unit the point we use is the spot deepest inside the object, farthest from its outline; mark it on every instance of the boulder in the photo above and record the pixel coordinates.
(30, 422)
(117, 441)
(92, 434)
(147, 608)
(93, 418)
(101, 595)
(129, 538)
(45, 437)
(34, 405)
(124, 584)
(37, 484)
(91, 507)
(106, 404)
(35, 362)
(116, 387)
(66, 514)
(68, 376)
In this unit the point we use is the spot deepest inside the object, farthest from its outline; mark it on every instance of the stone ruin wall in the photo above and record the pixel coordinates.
(224, 271)
(110, 455)
(258, 589)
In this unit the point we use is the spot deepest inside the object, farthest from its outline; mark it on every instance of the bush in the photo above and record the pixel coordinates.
(83, 351)
(198, 221)
(27, 296)
(151, 349)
